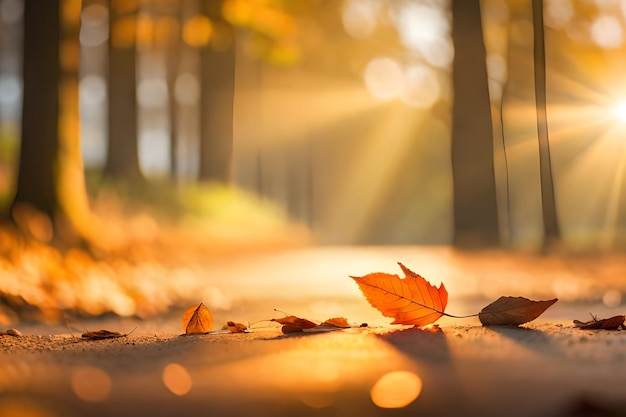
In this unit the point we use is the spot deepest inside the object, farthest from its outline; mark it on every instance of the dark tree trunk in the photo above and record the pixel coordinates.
(51, 176)
(217, 100)
(40, 114)
(548, 201)
(123, 150)
(475, 200)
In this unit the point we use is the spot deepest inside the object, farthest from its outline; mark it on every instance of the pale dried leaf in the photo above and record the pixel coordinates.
(513, 311)
(234, 327)
(197, 320)
(411, 300)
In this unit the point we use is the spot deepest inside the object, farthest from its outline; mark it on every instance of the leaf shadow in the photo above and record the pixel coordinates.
(420, 344)
(532, 339)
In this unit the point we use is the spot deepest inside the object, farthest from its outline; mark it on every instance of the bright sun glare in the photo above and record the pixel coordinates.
(619, 109)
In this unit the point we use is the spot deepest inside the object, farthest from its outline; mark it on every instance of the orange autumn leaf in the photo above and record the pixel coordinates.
(341, 322)
(197, 320)
(410, 300)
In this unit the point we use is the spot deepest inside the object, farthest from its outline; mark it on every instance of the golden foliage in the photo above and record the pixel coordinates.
(197, 320)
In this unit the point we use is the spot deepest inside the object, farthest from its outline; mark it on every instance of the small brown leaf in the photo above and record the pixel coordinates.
(290, 328)
(197, 320)
(101, 334)
(513, 311)
(296, 322)
(612, 323)
(236, 327)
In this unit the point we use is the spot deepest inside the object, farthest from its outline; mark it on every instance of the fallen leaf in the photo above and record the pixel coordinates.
(411, 300)
(513, 311)
(612, 323)
(340, 322)
(197, 320)
(102, 334)
(337, 323)
(293, 323)
(236, 327)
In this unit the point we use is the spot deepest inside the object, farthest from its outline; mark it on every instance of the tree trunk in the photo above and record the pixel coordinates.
(123, 147)
(172, 58)
(217, 100)
(51, 177)
(40, 114)
(548, 201)
(475, 200)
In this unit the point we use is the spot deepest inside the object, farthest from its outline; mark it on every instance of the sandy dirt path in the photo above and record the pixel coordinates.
(547, 368)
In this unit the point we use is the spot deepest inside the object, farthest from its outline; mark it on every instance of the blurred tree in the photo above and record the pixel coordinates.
(475, 200)
(217, 95)
(50, 175)
(168, 28)
(548, 201)
(122, 160)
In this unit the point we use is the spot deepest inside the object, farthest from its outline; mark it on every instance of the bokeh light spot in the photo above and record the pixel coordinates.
(422, 88)
(606, 32)
(360, 17)
(612, 298)
(177, 379)
(558, 13)
(187, 89)
(396, 389)
(197, 31)
(94, 29)
(91, 384)
(384, 78)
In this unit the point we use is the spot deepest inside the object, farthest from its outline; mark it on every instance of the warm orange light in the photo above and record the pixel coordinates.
(145, 30)
(123, 32)
(396, 389)
(197, 31)
(91, 384)
(177, 379)
(619, 110)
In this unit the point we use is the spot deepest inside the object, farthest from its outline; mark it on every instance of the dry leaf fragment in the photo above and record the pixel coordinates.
(336, 323)
(101, 334)
(293, 323)
(11, 332)
(197, 320)
(411, 300)
(340, 322)
(513, 311)
(612, 323)
(236, 327)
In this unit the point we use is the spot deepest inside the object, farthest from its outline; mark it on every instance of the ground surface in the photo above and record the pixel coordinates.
(547, 368)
